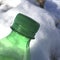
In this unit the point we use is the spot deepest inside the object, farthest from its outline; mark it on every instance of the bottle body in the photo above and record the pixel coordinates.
(14, 47)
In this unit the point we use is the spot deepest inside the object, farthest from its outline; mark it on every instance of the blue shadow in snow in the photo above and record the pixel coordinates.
(53, 8)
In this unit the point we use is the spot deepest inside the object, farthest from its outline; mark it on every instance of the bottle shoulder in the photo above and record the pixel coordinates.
(10, 50)
(4, 42)
(8, 40)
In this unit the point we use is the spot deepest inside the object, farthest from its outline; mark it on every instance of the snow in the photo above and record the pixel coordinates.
(47, 39)
(53, 7)
(4, 31)
(12, 3)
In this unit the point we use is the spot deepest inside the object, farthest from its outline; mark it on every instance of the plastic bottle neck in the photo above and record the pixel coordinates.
(18, 40)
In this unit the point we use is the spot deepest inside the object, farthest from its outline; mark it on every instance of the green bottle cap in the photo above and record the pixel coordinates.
(25, 25)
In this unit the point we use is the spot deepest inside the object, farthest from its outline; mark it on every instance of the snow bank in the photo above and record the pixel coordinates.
(47, 38)
(53, 6)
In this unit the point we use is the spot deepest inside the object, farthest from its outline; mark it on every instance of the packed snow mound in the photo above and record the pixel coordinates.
(47, 38)
(12, 3)
(4, 31)
(53, 6)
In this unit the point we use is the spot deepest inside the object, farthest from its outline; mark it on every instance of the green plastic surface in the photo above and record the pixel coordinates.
(25, 25)
(14, 47)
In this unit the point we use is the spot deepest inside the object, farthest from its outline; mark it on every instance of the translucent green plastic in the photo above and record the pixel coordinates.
(15, 47)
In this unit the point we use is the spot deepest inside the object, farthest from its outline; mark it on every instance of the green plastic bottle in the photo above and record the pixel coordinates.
(16, 45)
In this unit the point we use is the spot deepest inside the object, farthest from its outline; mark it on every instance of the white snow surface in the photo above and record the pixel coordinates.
(47, 39)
